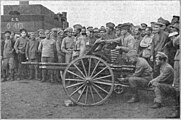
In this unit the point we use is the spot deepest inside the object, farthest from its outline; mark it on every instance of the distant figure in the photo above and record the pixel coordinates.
(67, 45)
(47, 47)
(8, 58)
(32, 55)
(20, 47)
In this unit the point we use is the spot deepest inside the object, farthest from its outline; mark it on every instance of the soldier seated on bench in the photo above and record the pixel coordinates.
(141, 76)
(163, 83)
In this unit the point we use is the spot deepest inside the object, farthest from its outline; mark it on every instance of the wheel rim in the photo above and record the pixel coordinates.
(88, 80)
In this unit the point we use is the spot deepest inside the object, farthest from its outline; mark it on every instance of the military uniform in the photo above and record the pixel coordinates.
(47, 48)
(79, 48)
(162, 84)
(157, 45)
(8, 58)
(67, 46)
(32, 56)
(141, 76)
(20, 46)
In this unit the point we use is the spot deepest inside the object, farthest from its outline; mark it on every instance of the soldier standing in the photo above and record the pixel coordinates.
(60, 54)
(47, 47)
(8, 57)
(79, 42)
(32, 55)
(67, 45)
(20, 46)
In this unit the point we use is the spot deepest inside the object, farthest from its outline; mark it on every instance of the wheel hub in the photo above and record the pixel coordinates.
(88, 80)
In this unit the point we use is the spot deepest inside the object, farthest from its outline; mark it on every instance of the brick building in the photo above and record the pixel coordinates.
(31, 17)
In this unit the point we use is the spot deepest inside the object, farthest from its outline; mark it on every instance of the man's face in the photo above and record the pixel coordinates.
(23, 34)
(172, 29)
(156, 28)
(136, 31)
(54, 33)
(32, 35)
(102, 33)
(158, 62)
(147, 31)
(108, 30)
(76, 31)
(60, 34)
(123, 31)
(175, 20)
(7, 35)
(163, 27)
(47, 34)
(118, 32)
(69, 34)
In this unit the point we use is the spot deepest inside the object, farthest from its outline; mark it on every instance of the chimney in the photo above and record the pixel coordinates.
(23, 2)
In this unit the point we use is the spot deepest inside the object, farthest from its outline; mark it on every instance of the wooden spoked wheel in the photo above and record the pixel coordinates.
(88, 80)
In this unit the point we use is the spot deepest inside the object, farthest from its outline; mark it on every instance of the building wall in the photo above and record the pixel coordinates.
(32, 18)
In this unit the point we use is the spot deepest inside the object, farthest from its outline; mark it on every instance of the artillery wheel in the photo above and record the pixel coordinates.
(88, 80)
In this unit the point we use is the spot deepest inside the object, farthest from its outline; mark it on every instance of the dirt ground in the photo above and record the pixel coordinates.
(33, 99)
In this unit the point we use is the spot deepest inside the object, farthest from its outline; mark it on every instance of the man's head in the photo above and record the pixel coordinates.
(143, 26)
(32, 35)
(54, 32)
(7, 34)
(148, 31)
(47, 34)
(118, 31)
(161, 58)
(83, 31)
(23, 32)
(173, 35)
(68, 31)
(77, 29)
(125, 29)
(96, 32)
(91, 32)
(41, 33)
(60, 33)
(174, 27)
(132, 55)
(157, 27)
(175, 19)
(137, 30)
(110, 27)
(102, 32)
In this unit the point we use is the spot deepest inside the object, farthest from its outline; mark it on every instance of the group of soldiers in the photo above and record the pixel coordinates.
(153, 49)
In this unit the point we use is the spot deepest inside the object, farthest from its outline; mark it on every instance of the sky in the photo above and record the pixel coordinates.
(98, 13)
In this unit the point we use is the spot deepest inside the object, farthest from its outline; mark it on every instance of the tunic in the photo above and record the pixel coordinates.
(32, 49)
(47, 47)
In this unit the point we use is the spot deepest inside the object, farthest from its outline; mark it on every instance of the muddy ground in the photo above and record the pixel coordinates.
(34, 99)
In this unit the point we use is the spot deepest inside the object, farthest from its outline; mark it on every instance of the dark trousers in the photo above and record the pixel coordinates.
(33, 69)
(22, 70)
(44, 72)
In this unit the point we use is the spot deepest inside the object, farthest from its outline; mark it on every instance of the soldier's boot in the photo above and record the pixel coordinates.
(135, 97)
(51, 77)
(43, 76)
(12, 78)
(4, 76)
(31, 74)
(36, 72)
